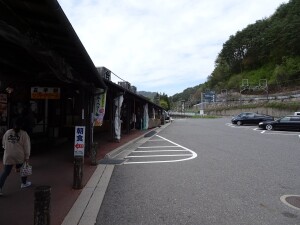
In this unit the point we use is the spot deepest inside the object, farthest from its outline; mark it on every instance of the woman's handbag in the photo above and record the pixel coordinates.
(26, 170)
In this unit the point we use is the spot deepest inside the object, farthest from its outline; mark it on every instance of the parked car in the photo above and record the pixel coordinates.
(250, 118)
(285, 123)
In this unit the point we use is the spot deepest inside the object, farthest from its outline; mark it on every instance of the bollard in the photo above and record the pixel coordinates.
(94, 151)
(42, 198)
(78, 172)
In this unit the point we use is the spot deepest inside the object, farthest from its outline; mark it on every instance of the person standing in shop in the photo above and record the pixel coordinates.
(16, 144)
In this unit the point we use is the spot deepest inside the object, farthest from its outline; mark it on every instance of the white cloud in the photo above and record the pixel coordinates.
(161, 45)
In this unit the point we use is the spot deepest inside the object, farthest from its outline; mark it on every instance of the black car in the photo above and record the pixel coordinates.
(250, 118)
(284, 123)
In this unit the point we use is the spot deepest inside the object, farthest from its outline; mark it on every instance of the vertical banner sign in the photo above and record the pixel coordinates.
(79, 141)
(99, 109)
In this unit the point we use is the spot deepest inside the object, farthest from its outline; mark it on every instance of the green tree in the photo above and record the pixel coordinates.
(164, 104)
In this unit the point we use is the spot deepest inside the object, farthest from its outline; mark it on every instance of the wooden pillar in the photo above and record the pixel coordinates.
(79, 160)
(42, 205)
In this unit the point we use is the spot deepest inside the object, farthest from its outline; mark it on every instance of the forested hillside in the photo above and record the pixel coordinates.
(269, 49)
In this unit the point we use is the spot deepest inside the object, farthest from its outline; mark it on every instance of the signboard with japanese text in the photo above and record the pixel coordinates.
(99, 109)
(45, 93)
(79, 141)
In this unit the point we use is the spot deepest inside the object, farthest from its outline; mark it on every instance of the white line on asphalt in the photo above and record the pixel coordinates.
(283, 199)
(172, 146)
(193, 155)
(280, 133)
(161, 151)
(156, 140)
(263, 131)
(150, 156)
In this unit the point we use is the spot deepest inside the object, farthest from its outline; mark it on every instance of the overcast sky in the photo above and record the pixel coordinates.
(161, 46)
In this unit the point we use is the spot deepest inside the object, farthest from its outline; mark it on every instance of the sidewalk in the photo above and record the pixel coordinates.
(54, 167)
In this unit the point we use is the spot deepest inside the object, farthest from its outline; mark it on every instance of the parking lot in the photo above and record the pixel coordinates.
(159, 150)
(265, 132)
(241, 175)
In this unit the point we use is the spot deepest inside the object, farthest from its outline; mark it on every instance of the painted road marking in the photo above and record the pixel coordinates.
(149, 156)
(156, 140)
(162, 147)
(283, 200)
(280, 133)
(161, 151)
(190, 154)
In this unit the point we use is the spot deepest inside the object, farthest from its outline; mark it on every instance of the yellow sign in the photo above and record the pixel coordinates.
(45, 93)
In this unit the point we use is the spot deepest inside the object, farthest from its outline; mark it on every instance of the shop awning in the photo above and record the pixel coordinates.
(37, 42)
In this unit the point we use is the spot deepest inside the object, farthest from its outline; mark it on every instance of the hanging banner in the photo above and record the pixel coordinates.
(146, 117)
(99, 109)
(79, 141)
(117, 121)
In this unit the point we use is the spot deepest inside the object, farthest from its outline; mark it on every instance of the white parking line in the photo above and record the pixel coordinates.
(283, 199)
(150, 156)
(190, 156)
(162, 151)
(287, 134)
(155, 140)
(172, 146)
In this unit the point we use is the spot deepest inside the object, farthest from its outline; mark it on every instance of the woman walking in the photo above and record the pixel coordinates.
(16, 144)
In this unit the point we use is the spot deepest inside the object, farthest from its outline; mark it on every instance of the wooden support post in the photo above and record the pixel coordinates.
(42, 205)
(94, 151)
(78, 172)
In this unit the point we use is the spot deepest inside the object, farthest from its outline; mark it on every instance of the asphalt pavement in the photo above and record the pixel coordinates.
(238, 176)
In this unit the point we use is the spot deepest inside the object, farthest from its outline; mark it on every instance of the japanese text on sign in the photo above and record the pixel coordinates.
(45, 93)
(79, 141)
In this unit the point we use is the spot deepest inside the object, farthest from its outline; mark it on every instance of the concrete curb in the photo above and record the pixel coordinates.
(86, 208)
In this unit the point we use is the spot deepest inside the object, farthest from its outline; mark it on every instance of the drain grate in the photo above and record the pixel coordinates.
(291, 200)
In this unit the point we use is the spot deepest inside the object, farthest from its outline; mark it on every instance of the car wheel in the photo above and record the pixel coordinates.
(269, 127)
(239, 123)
